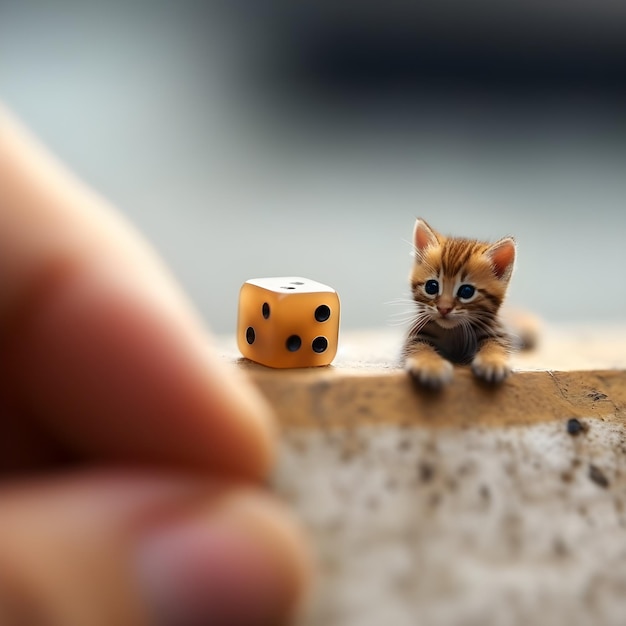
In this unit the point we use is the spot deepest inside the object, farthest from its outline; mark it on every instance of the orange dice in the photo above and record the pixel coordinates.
(288, 322)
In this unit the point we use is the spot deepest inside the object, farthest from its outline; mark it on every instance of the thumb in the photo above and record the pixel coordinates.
(131, 549)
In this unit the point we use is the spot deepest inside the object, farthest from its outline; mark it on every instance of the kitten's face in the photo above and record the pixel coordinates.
(459, 282)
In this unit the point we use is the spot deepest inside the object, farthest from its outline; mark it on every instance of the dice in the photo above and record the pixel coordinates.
(288, 322)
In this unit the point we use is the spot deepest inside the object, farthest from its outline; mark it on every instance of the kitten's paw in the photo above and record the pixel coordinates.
(431, 371)
(490, 369)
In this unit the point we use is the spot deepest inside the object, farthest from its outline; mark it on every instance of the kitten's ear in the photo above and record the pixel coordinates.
(423, 237)
(502, 257)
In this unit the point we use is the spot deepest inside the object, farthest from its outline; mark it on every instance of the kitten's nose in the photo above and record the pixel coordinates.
(444, 310)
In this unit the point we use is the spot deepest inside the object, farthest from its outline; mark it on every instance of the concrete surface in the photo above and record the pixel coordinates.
(471, 507)
(473, 527)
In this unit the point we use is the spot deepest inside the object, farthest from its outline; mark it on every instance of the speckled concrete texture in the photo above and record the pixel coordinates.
(474, 506)
(477, 526)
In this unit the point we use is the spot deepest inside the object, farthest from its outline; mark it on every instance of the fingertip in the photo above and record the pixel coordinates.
(102, 352)
(236, 396)
(117, 366)
(137, 548)
(243, 562)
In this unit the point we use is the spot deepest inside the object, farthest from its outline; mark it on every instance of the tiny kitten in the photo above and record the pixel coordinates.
(458, 286)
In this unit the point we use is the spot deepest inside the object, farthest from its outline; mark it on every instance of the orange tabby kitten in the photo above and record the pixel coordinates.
(458, 286)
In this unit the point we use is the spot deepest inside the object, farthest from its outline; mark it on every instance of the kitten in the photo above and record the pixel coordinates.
(458, 286)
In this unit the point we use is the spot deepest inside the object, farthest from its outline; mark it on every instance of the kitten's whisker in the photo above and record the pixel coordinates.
(407, 313)
(407, 304)
(399, 301)
(411, 246)
(401, 322)
(487, 326)
(483, 316)
(480, 323)
(419, 323)
(408, 316)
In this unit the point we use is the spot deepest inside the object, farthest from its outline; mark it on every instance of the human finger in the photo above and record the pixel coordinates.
(101, 353)
(130, 549)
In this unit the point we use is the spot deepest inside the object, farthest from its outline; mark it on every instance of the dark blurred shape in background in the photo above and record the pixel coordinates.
(267, 138)
(455, 47)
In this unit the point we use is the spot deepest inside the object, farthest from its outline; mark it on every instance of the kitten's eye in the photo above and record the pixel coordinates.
(431, 287)
(465, 292)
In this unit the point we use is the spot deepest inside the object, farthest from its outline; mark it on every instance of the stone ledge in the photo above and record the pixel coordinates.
(325, 400)
(575, 372)
(475, 505)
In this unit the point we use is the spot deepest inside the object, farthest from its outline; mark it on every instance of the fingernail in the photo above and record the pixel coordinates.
(213, 572)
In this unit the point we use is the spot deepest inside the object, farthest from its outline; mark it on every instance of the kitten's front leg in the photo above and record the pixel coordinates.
(491, 362)
(426, 366)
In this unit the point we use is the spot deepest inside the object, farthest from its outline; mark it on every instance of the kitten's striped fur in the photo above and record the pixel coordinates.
(449, 328)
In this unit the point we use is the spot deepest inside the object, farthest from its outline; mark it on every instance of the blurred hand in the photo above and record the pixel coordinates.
(128, 452)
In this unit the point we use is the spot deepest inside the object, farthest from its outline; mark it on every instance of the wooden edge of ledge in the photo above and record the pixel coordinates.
(332, 397)
(577, 371)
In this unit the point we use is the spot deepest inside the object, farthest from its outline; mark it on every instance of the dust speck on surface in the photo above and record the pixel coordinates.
(560, 548)
(404, 445)
(434, 500)
(576, 427)
(485, 493)
(425, 471)
(597, 395)
(598, 476)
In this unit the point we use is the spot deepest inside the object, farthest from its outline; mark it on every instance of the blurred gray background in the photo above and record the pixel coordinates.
(257, 139)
